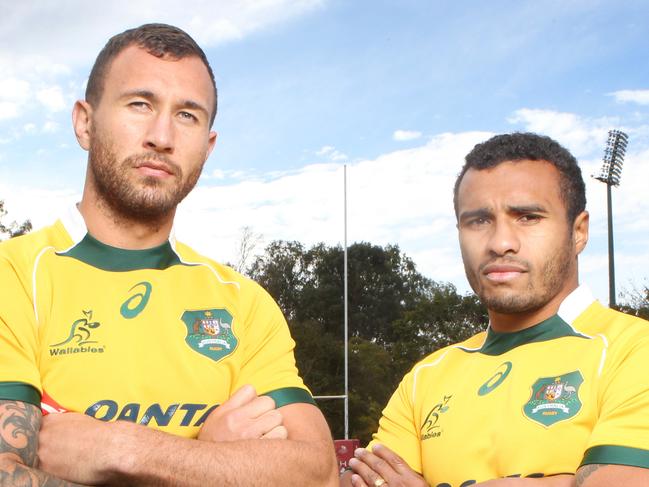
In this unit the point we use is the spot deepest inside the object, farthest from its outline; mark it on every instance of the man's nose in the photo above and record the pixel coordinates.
(160, 134)
(504, 239)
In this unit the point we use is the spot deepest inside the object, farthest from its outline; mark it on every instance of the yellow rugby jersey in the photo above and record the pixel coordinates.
(570, 391)
(158, 336)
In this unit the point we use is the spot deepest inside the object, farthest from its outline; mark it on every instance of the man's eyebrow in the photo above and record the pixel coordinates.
(532, 208)
(149, 95)
(193, 105)
(479, 213)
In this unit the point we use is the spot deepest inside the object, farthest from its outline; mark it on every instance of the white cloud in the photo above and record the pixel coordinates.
(29, 128)
(404, 135)
(641, 97)
(81, 29)
(216, 174)
(50, 127)
(52, 98)
(13, 89)
(331, 153)
(39, 205)
(8, 110)
(222, 175)
(582, 136)
(13, 94)
(324, 150)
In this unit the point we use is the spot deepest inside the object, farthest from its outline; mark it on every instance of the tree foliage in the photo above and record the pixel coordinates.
(636, 301)
(396, 317)
(13, 229)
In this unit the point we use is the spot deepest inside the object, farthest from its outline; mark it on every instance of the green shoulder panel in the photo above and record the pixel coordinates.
(616, 455)
(19, 391)
(290, 395)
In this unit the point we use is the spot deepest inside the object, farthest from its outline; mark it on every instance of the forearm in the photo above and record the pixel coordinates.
(181, 461)
(552, 481)
(14, 474)
(19, 424)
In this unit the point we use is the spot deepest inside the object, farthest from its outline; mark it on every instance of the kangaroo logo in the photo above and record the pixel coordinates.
(81, 331)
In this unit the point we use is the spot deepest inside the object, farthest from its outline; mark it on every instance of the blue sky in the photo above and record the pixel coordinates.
(398, 90)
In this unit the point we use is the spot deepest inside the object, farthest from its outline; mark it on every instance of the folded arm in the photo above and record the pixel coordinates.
(19, 425)
(587, 476)
(370, 468)
(127, 453)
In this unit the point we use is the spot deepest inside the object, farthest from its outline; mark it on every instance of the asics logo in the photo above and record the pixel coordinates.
(134, 305)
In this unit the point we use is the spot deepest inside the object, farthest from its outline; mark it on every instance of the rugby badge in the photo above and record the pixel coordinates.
(209, 332)
(554, 398)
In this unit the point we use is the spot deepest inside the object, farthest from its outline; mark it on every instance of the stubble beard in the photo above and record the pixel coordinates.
(147, 200)
(553, 274)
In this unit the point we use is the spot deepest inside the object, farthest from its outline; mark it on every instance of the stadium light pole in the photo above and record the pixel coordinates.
(610, 174)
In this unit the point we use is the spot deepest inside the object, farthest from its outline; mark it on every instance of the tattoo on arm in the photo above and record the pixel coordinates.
(584, 472)
(19, 426)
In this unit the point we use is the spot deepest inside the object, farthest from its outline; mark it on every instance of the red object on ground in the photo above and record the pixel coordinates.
(345, 452)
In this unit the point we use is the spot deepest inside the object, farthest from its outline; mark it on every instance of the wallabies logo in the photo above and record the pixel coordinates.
(81, 338)
(209, 332)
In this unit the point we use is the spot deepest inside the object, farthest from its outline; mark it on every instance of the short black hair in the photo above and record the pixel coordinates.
(520, 146)
(159, 40)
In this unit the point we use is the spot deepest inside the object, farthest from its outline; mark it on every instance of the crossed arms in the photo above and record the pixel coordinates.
(369, 467)
(246, 441)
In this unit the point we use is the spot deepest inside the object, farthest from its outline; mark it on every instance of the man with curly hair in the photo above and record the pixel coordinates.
(554, 392)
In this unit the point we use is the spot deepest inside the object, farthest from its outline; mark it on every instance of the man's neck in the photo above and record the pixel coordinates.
(118, 231)
(512, 322)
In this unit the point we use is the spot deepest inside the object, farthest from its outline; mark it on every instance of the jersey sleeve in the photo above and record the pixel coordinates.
(397, 428)
(269, 361)
(621, 435)
(19, 376)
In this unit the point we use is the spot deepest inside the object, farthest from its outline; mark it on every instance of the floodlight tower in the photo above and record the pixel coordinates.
(610, 173)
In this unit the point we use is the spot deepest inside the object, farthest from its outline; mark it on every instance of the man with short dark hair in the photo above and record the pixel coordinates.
(118, 342)
(554, 392)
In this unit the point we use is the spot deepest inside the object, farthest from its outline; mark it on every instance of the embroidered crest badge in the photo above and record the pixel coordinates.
(209, 332)
(554, 399)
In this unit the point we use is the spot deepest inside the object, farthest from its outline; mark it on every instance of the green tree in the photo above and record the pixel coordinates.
(13, 229)
(636, 301)
(396, 316)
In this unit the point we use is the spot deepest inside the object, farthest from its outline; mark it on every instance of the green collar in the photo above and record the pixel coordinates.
(107, 258)
(498, 343)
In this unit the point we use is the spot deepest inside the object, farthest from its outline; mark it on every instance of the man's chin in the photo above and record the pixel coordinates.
(508, 302)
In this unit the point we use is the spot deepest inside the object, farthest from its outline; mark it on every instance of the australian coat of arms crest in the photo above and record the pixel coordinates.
(554, 398)
(209, 332)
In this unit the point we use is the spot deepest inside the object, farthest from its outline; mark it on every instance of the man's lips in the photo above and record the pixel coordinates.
(502, 272)
(155, 168)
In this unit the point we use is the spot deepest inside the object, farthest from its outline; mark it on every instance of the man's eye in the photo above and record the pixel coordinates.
(476, 222)
(141, 105)
(188, 116)
(530, 218)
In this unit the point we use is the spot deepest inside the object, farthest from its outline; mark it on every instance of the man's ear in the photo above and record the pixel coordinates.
(82, 121)
(580, 231)
(211, 142)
